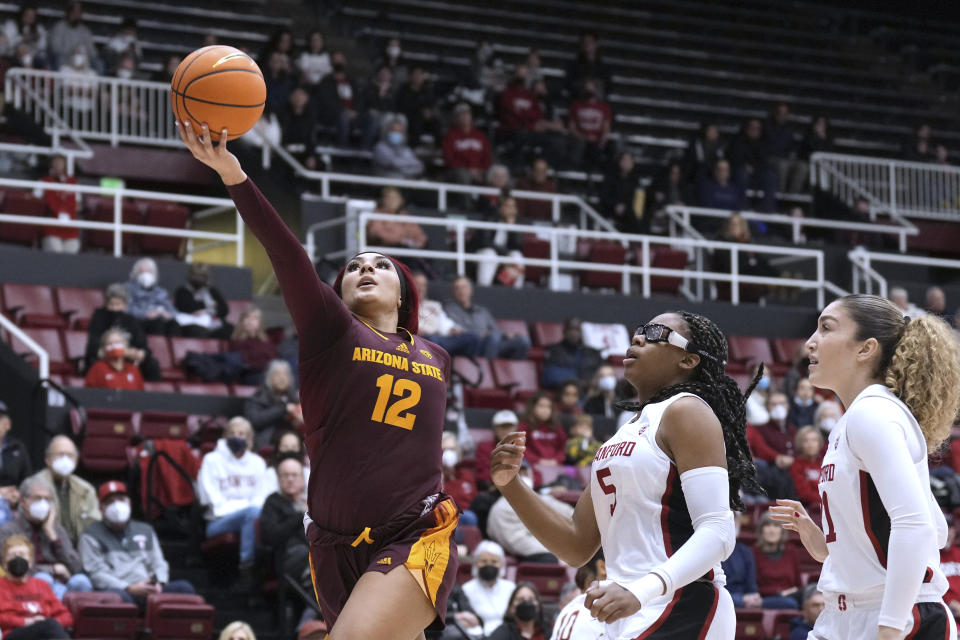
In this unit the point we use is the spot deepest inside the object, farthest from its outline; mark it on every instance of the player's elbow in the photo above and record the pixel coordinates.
(719, 525)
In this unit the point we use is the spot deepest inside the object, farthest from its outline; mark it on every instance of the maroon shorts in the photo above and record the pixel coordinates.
(420, 541)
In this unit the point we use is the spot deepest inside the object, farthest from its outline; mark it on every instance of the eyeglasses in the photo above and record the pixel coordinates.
(654, 332)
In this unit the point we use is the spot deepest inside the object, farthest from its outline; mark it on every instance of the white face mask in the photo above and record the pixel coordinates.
(827, 424)
(79, 60)
(607, 383)
(800, 402)
(40, 509)
(779, 412)
(449, 458)
(147, 279)
(117, 512)
(124, 74)
(393, 52)
(63, 466)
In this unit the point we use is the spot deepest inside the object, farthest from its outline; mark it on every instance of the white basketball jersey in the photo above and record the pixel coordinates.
(638, 501)
(854, 520)
(574, 622)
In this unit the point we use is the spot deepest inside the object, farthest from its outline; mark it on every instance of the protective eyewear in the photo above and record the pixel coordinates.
(654, 332)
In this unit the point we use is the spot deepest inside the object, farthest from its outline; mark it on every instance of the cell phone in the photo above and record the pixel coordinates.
(153, 579)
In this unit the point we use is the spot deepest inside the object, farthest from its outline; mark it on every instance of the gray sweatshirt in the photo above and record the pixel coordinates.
(116, 559)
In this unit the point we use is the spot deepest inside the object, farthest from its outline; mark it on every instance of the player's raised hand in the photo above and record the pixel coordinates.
(217, 157)
(793, 517)
(506, 458)
(610, 602)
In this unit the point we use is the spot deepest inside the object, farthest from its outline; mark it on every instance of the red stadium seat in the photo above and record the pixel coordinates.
(516, 375)
(204, 388)
(464, 572)
(76, 347)
(784, 349)
(32, 305)
(236, 308)
(515, 327)
(471, 536)
(176, 616)
(534, 247)
(103, 616)
(776, 622)
(78, 304)
(481, 435)
(159, 387)
(749, 625)
(243, 390)
(548, 578)
(48, 340)
(25, 204)
(101, 210)
(181, 346)
(480, 389)
(546, 334)
(160, 348)
(163, 214)
(602, 252)
(748, 349)
(170, 425)
(667, 259)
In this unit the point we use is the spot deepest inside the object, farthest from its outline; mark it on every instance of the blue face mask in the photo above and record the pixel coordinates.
(395, 138)
(763, 384)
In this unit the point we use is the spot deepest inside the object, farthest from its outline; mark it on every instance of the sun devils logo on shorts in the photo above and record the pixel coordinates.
(431, 555)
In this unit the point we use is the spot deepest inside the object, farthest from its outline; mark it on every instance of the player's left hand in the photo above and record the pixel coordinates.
(610, 602)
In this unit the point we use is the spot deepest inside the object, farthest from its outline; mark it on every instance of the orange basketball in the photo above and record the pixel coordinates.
(220, 86)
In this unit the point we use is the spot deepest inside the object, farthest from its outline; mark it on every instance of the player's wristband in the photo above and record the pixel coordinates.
(647, 588)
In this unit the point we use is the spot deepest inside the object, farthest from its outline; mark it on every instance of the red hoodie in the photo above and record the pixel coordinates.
(519, 109)
(22, 600)
(759, 447)
(61, 202)
(461, 486)
(466, 150)
(777, 574)
(806, 477)
(545, 442)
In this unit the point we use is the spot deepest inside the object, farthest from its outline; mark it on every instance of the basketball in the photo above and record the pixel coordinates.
(220, 86)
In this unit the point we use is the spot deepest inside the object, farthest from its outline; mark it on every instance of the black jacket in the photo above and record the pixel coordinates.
(507, 631)
(280, 522)
(15, 462)
(265, 410)
(563, 362)
(185, 302)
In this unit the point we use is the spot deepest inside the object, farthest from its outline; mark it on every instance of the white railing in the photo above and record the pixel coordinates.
(898, 187)
(119, 227)
(95, 107)
(356, 240)
(43, 358)
(684, 214)
(865, 276)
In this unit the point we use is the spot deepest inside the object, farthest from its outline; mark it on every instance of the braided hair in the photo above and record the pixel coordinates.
(722, 393)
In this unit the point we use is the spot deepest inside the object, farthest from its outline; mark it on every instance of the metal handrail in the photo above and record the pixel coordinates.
(863, 260)
(43, 357)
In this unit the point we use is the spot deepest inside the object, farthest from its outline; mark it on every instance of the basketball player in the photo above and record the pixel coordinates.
(900, 382)
(661, 490)
(373, 394)
(574, 622)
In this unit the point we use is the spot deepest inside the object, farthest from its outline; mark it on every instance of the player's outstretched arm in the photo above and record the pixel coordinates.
(573, 540)
(318, 314)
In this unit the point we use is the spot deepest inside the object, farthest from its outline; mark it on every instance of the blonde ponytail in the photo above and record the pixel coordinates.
(924, 372)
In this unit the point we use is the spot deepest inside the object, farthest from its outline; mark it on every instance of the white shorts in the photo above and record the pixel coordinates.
(684, 616)
(844, 618)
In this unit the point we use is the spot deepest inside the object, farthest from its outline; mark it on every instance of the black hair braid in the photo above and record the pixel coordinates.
(711, 383)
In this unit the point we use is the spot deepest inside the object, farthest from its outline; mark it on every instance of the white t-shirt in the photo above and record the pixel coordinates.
(488, 602)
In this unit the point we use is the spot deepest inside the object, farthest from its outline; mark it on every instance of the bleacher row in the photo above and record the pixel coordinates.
(153, 213)
(168, 616)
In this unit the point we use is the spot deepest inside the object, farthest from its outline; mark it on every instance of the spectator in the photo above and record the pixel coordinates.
(703, 153)
(816, 140)
(28, 608)
(750, 158)
(280, 41)
(113, 314)
(535, 72)
(782, 144)
(417, 102)
(826, 416)
(337, 102)
(799, 368)
(590, 120)
(279, 81)
(56, 560)
(523, 619)
(582, 446)
(70, 34)
(466, 149)
(124, 556)
(23, 56)
(602, 393)
(477, 319)
(942, 155)
(170, 66)
(778, 567)
(298, 122)
(936, 303)
(539, 180)
(618, 194)
(568, 398)
(587, 64)
(14, 463)
(813, 604)
(772, 447)
(204, 303)
(919, 148)
(281, 521)
(668, 188)
(250, 340)
(391, 60)
(498, 177)
(116, 368)
(26, 30)
(458, 480)
(388, 233)
(79, 83)
(547, 440)
(570, 358)
(61, 205)
(314, 61)
(805, 470)
(275, 405)
(899, 297)
(377, 99)
(486, 70)
(803, 405)
(950, 565)
(740, 570)
(393, 157)
(126, 69)
(237, 630)
(757, 402)
(124, 42)
(288, 444)
(492, 244)
(227, 487)
(149, 303)
(719, 192)
(488, 591)
(550, 132)
(76, 498)
(503, 422)
(437, 327)
(518, 109)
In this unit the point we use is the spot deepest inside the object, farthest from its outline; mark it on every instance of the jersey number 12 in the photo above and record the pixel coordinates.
(393, 415)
